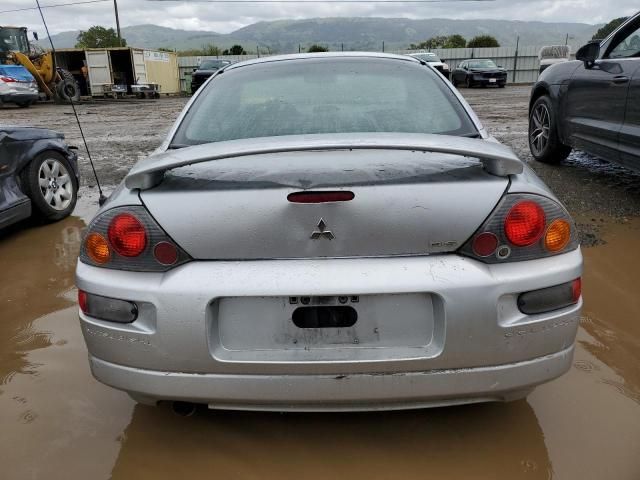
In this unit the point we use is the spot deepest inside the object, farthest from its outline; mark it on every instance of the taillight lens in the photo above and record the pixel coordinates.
(558, 235)
(97, 248)
(525, 223)
(127, 235)
(523, 227)
(128, 238)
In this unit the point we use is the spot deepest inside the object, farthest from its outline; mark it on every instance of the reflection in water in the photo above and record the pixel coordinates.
(493, 441)
(612, 306)
(37, 267)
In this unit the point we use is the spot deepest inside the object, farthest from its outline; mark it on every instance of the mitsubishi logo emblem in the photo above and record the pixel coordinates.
(322, 232)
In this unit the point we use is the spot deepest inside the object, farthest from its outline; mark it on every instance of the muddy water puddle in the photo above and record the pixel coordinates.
(57, 422)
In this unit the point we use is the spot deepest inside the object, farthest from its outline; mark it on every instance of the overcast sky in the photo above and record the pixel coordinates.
(224, 18)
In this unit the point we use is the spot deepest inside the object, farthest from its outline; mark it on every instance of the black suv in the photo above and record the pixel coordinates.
(204, 71)
(592, 104)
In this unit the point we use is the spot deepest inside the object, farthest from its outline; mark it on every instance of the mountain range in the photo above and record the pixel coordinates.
(285, 36)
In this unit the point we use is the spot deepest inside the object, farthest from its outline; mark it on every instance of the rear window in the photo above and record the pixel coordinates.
(330, 95)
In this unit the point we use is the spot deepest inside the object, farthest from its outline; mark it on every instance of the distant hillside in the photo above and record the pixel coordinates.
(284, 36)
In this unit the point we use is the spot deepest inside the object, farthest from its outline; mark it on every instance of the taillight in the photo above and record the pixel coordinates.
(128, 238)
(127, 235)
(525, 223)
(523, 227)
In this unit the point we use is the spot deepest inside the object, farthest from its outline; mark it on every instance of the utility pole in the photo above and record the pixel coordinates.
(515, 60)
(383, 46)
(566, 41)
(115, 8)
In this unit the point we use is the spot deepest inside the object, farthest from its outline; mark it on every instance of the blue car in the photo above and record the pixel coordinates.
(17, 86)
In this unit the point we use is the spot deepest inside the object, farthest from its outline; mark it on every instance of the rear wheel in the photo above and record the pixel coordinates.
(544, 142)
(468, 82)
(48, 180)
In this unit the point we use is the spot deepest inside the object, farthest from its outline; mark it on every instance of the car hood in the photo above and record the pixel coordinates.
(21, 133)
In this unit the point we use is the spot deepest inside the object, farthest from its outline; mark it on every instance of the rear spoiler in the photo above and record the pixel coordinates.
(495, 158)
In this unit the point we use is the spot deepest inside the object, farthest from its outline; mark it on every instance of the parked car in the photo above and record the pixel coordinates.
(38, 175)
(332, 231)
(552, 54)
(17, 86)
(433, 60)
(204, 71)
(481, 72)
(592, 104)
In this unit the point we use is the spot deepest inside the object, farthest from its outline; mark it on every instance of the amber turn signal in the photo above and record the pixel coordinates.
(558, 235)
(97, 248)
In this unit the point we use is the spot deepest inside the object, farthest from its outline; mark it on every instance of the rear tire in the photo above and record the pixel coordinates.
(544, 142)
(51, 184)
(468, 82)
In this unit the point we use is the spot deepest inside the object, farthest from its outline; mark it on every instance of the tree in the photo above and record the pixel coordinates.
(483, 41)
(608, 29)
(455, 41)
(452, 41)
(315, 48)
(99, 37)
(235, 50)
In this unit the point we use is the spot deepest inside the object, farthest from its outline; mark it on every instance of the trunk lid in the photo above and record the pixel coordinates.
(405, 203)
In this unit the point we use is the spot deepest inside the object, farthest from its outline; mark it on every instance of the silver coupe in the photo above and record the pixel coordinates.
(330, 232)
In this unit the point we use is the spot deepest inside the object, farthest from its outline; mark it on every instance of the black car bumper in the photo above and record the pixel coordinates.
(19, 97)
(489, 80)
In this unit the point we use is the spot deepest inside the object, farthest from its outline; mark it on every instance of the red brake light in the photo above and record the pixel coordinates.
(127, 235)
(82, 300)
(485, 244)
(576, 289)
(166, 253)
(525, 223)
(320, 197)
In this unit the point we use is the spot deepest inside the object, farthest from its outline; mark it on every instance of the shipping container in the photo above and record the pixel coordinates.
(118, 70)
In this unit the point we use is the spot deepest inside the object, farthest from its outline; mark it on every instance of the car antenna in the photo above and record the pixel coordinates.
(102, 197)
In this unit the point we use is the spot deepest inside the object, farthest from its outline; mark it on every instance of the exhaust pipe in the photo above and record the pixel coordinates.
(183, 409)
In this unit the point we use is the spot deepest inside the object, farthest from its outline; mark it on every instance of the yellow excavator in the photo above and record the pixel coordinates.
(15, 49)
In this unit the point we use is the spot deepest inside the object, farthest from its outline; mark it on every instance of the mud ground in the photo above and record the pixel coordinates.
(58, 423)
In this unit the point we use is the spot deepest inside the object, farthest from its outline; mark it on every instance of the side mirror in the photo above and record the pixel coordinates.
(500, 66)
(589, 54)
(35, 36)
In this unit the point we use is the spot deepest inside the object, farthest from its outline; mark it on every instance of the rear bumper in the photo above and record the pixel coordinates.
(476, 345)
(19, 97)
(356, 392)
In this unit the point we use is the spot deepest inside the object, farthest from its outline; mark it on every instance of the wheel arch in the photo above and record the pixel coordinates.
(553, 92)
(49, 145)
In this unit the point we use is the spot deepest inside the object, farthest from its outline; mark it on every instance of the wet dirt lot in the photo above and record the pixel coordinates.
(57, 422)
